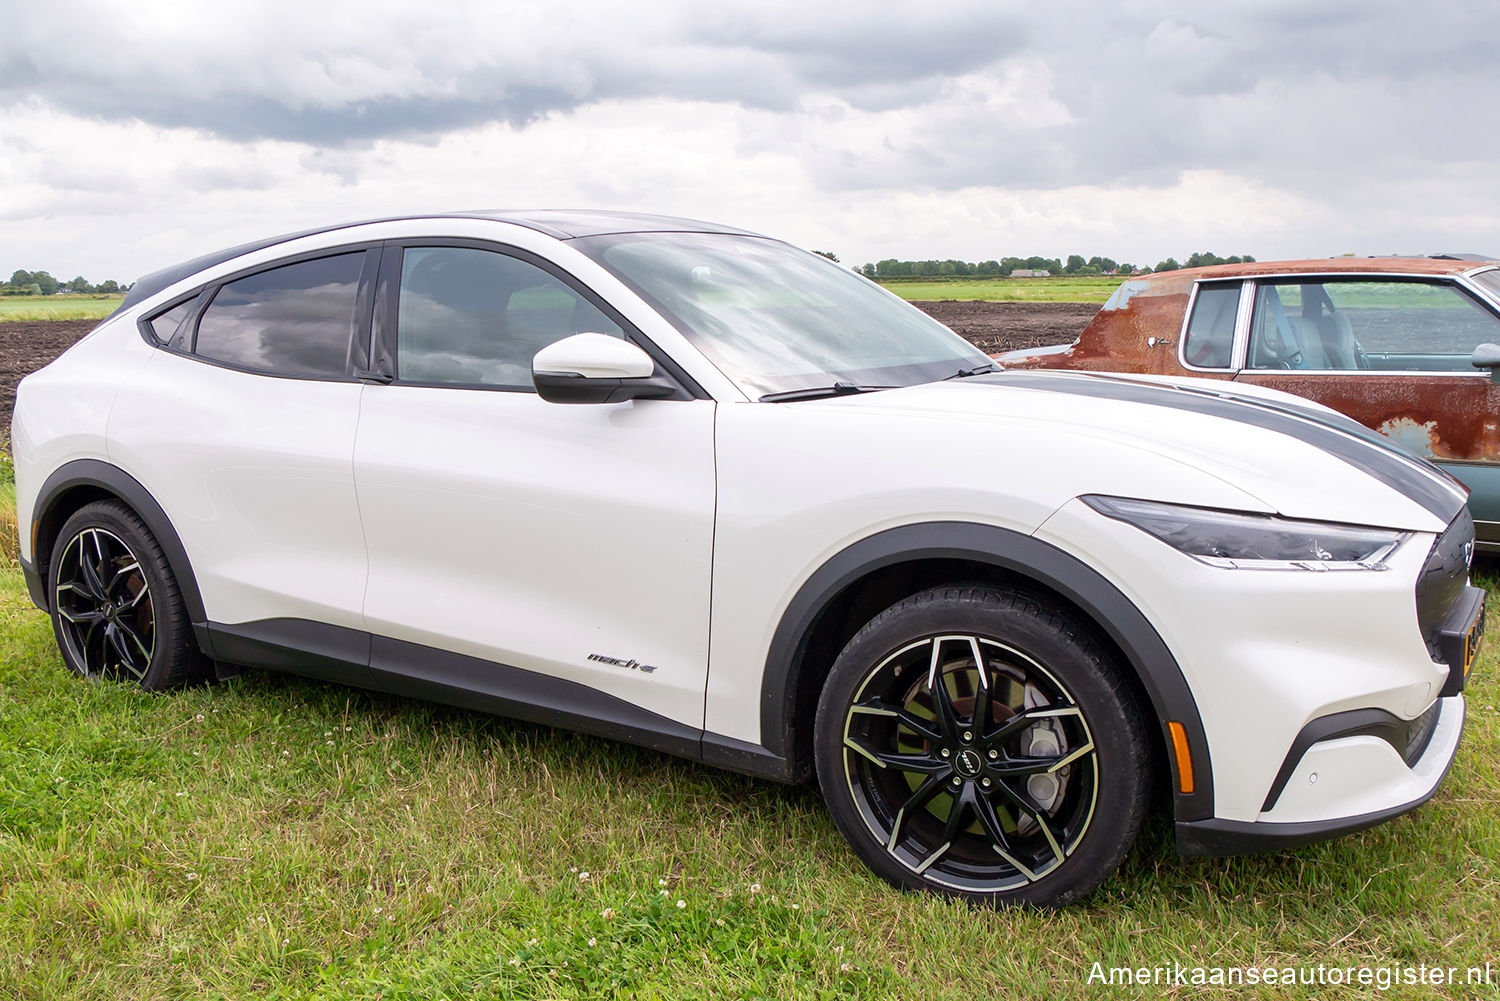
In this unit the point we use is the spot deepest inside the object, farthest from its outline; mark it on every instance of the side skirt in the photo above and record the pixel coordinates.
(361, 660)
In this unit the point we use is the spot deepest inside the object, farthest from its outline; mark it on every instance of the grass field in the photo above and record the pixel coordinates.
(1091, 289)
(57, 307)
(275, 838)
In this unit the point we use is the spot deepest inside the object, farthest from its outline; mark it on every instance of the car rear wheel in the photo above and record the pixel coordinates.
(978, 742)
(116, 608)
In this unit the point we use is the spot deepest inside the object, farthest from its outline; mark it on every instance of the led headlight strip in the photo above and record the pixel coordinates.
(1247, 541)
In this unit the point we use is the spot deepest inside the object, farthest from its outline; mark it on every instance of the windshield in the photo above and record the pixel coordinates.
(775, 319)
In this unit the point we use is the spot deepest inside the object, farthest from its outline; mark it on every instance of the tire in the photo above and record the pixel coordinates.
(116, 609)
(1036, 800)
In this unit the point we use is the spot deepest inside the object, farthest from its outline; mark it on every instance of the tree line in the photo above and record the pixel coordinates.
(41, 283)
(1075, 264)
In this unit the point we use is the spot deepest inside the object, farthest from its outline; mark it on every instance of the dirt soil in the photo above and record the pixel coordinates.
(990, 326)
(1009, 326)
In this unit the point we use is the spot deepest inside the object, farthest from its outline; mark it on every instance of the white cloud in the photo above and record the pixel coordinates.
(132, 136)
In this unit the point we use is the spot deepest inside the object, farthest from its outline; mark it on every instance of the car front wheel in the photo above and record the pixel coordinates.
(116, 608)
(977, 741)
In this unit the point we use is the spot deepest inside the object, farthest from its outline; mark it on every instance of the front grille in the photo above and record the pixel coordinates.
(1443, 579)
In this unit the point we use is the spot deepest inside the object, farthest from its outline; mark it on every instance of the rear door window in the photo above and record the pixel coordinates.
(295, 320)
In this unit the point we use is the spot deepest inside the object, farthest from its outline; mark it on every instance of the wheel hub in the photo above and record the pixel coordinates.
(968, 763)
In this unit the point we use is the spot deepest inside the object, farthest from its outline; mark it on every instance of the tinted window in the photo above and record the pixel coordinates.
(474, 317)
(1210, 333)
(1348, 324)
(163, 325)
(293, 320)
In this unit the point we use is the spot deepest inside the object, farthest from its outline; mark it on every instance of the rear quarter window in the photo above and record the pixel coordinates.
(1209, 341)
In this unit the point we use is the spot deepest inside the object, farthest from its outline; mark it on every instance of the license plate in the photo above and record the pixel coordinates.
(1472, 643)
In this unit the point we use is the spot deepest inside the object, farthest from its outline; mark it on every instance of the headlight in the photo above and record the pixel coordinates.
(1254, 541)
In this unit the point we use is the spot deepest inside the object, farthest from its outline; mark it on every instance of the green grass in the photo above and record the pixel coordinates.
(1089, 289)
(276, 838)
(57, 307)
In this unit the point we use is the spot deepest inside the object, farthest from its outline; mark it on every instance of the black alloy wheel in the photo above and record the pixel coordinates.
(116, 608)
(975, 741)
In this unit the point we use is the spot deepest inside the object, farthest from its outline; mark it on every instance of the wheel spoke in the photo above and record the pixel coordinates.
(1039, 816)
(963, 804)
(980, 719)
(919, 798)
(93, 583)
(1027, 717)
(127, 657)
(120, 576)
(942, 701)
(1008, 767)
(130, 633)
(924, 764)
(80, 618)
(921, 727)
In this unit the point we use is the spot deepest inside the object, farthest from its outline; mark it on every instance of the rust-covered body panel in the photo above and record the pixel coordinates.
(1445, 418)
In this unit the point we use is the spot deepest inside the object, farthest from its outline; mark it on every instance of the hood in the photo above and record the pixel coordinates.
(1297, 458)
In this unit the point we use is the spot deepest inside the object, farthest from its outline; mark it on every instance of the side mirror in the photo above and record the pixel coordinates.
(1487, 356)
(596, 368)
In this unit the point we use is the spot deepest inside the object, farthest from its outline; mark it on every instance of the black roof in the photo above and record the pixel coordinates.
(562, 224)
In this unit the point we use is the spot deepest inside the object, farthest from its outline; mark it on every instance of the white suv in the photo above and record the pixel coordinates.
(789, 526)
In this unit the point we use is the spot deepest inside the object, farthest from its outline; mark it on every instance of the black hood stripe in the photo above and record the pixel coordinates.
(1339, 436)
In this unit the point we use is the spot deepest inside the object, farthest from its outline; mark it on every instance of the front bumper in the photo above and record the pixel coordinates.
(35, 586)
(1349, 762)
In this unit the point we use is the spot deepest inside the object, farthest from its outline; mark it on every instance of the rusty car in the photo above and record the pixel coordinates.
(1405, 346)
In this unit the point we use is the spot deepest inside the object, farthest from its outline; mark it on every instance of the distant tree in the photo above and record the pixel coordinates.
(110, 286)
(828, 254)
(1170, 264)
(46, 282)
(1125, 269)
(32, 289)
(80, 284)
(1075, 262)
(987, 268)
(869, 271)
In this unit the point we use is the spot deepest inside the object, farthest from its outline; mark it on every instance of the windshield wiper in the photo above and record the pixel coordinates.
(964, 373)
(837, 389)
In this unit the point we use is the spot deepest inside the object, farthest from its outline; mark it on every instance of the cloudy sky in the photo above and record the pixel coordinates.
(133, 135)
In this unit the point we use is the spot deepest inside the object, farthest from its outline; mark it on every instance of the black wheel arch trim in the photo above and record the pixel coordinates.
(1027, 557)
(94, 473)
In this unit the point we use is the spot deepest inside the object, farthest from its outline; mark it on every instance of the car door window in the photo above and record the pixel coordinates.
(477, 317)
(293, 320)
(1209, 341)
(1382, 325)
